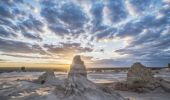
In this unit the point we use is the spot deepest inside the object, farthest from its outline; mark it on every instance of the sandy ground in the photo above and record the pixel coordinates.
(145, 96)
(15, 83)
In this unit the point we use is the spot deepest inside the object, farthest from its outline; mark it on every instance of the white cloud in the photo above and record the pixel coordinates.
(106, 18)
(130, 8)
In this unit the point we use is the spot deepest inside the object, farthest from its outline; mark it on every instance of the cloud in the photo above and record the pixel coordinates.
(11, 46)
(59, 30)
(33, 36)
(6, 32)
(26, 56)
(31, 28)
(117, 10)
(5, 12)
(63, 16)
(31, 24)
(111, 63)
(72, 15)
(15, 21)
(6, 7)
(97, 13)
(150, 43)
(107, 33)
(9, 2)
(150, 49)
(8, 23)
(139, 29)
(146, 5)
(135, 26)
(67, 48)
(151, 57)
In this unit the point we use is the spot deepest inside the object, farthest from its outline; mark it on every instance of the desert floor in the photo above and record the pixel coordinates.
(18, 85)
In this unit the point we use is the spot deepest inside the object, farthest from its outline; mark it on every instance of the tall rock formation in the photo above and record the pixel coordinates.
(77, 68)
(78, 87)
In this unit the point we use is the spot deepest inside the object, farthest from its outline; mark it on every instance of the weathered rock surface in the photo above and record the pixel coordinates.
(165, 85)
(48, 78)
(77, 68)
(139, 79)
(78, 87)
(139, 73)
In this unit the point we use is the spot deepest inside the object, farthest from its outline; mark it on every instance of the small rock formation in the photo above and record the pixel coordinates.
(139, 73)
(78, 87)
(139, 79)
(47, 77)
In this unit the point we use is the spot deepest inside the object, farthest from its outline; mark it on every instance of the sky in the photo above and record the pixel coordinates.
(106, 33)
